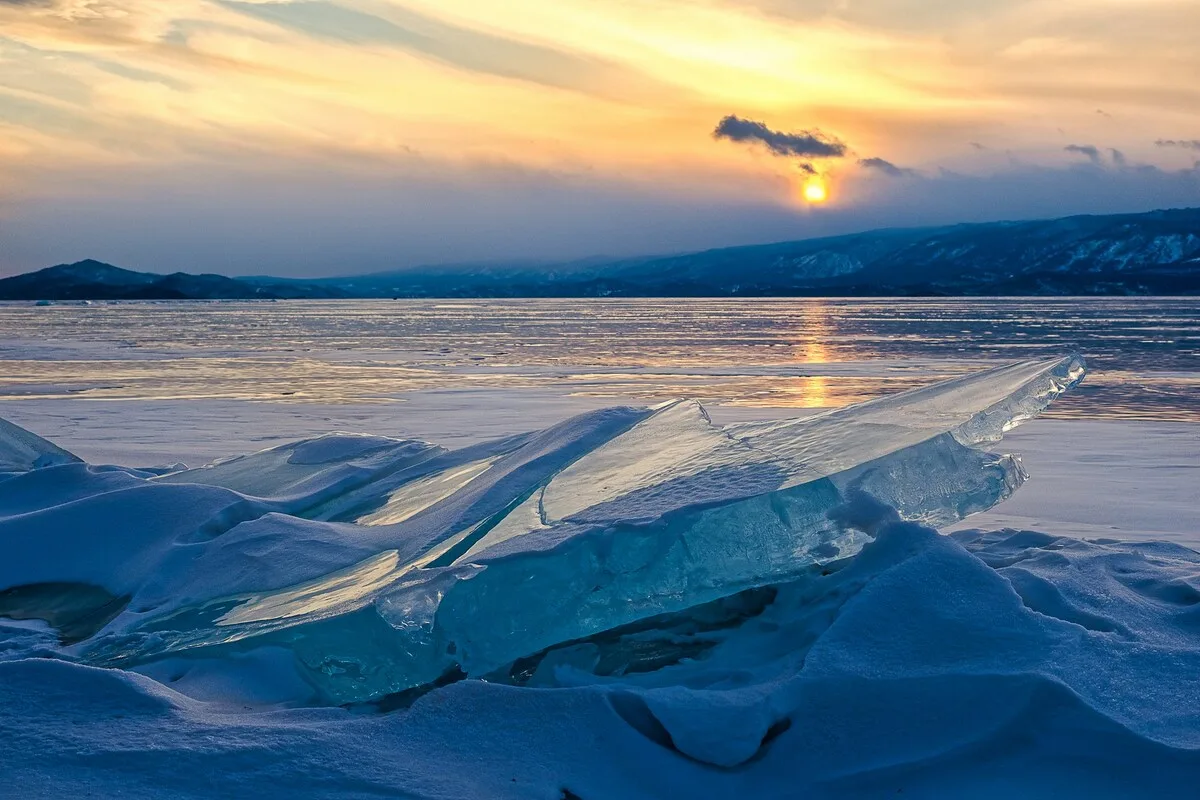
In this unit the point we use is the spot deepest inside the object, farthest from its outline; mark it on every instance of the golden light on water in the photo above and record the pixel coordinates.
(812, 391)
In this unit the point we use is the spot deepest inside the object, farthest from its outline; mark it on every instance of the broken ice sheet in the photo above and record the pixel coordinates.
(604, 520)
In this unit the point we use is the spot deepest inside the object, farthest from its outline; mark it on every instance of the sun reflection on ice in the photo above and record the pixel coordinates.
(812, 391)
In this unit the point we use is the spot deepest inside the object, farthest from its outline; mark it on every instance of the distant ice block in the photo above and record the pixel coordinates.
(464, 562)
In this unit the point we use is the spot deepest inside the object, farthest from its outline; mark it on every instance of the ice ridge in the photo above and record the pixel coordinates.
(396, 564)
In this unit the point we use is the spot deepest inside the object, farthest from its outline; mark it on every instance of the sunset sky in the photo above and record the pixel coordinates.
(315, 137)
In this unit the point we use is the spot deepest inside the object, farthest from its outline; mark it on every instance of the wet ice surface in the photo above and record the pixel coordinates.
(1001, 663)
(794, 352)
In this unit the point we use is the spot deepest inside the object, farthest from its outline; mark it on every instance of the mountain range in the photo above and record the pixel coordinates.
(1151, 253)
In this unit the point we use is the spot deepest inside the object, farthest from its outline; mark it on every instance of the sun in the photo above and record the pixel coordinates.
(815, 191)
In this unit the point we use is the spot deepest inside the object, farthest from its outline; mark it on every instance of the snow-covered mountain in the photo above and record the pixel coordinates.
(1151, 253)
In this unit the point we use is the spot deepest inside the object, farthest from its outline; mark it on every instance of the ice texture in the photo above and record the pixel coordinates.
(300, 475)
(395, 565)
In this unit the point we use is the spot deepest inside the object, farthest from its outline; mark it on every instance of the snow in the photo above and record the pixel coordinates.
(916, 669)
(258, 607)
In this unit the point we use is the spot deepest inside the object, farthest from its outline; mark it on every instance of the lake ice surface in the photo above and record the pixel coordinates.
(1144, 353)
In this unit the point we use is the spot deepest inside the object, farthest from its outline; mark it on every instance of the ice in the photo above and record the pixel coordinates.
(300, 475)
(437, 563)
(21, 450)
(677, 512)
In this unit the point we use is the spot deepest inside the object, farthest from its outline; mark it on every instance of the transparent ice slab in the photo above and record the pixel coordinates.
(668, 513)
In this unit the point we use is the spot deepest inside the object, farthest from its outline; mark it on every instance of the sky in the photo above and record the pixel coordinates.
(325, 137)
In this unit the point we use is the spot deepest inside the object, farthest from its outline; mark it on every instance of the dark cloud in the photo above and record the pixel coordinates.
(1095, 155)
(1186, 144)
(805, 144)
(977, 146)
(887, 167)
(1091, 151)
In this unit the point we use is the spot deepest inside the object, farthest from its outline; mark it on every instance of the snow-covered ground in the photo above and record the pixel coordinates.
(987, 663)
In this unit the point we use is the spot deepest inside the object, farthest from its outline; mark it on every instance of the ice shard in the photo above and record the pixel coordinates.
(300, 475)
(478, 559)
(21, 450)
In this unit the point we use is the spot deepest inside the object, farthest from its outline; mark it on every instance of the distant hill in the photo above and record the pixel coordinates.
(1152, 253)
(95, 280)
(1127, 254)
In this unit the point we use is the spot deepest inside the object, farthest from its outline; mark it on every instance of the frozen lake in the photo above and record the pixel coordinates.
(1144, 353)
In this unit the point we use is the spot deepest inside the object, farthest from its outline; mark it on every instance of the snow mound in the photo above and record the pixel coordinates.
(923, 666)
